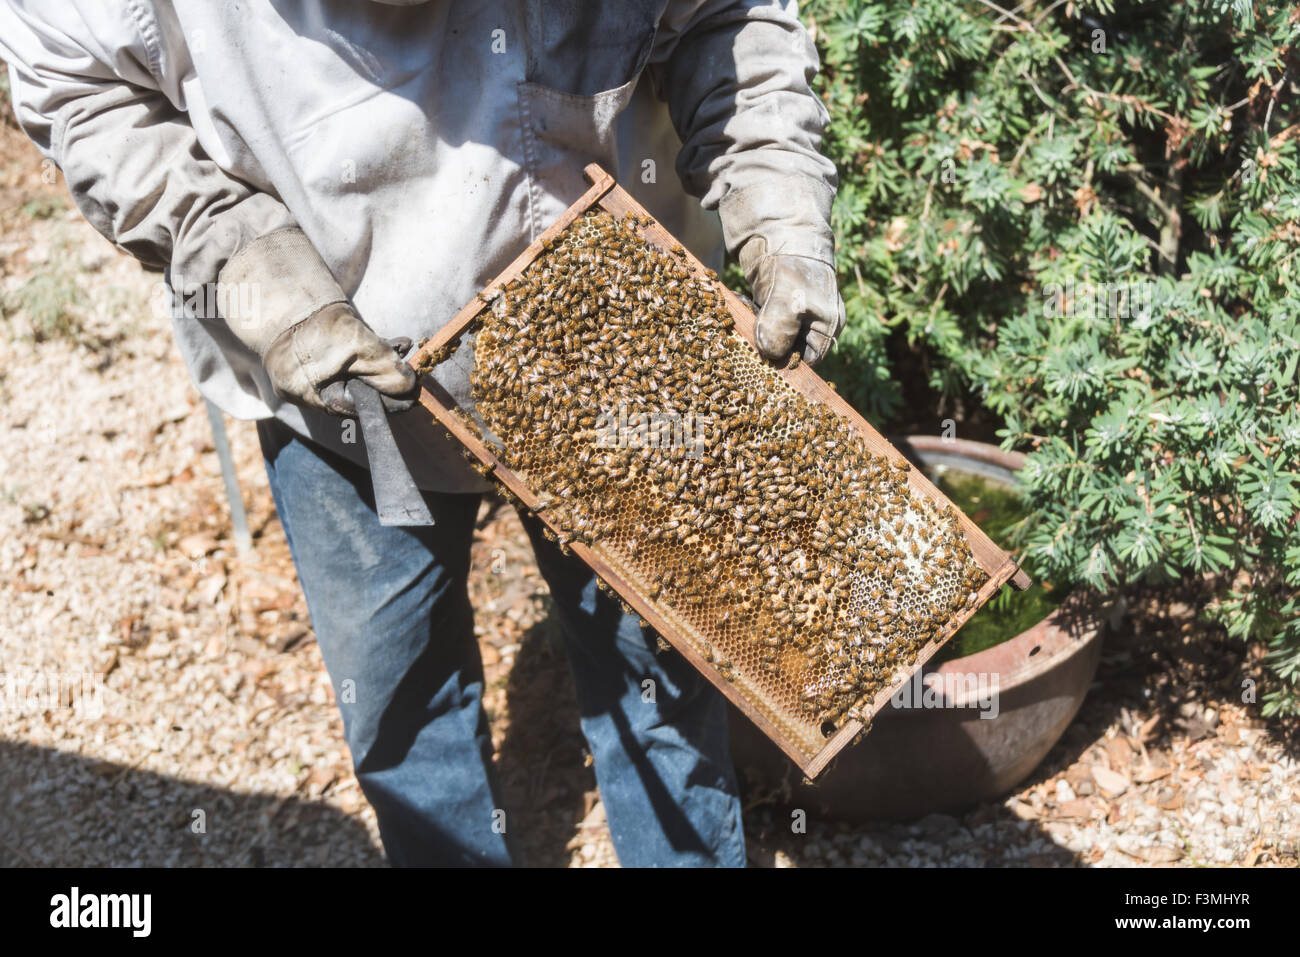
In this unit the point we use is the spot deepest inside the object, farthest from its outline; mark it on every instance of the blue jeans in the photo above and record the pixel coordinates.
(392, 615)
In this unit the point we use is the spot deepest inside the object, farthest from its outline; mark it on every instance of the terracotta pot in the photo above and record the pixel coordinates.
(917, 759)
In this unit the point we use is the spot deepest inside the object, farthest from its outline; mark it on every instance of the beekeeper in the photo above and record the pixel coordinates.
(350, 172)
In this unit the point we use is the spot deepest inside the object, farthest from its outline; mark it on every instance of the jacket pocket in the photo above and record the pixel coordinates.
(580, 47)
(568, 105)
(562, 133)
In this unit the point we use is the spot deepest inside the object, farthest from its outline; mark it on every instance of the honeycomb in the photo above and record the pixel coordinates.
(609, 377)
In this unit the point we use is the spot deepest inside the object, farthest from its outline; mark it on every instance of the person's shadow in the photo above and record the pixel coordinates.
(547, 783)
(64, 810)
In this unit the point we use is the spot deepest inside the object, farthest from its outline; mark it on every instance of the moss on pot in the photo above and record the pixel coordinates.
(997, 509)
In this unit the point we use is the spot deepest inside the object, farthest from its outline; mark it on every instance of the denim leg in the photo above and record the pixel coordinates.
(657, 729)
(394, 623)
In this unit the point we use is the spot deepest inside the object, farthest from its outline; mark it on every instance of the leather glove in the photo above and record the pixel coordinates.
(799, 303)
(283, 303)
(780, 231)
(331, 346)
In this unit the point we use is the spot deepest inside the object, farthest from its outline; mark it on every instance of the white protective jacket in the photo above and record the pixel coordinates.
(419, 147)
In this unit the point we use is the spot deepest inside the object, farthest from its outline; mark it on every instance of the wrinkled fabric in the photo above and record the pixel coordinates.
(800, 305)
(291, 280)
(780, 230)
(418, 147)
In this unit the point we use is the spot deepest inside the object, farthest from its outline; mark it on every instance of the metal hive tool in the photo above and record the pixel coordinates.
(744, 511)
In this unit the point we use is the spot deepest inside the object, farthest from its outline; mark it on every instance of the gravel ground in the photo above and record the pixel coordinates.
(214, 739)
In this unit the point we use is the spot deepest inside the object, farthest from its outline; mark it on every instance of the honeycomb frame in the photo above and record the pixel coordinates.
(809, 742)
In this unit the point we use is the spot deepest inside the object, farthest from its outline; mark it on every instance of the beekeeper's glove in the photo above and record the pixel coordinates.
(300, 325)
(780, 231)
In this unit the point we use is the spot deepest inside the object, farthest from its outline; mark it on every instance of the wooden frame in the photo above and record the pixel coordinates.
(1000, 566)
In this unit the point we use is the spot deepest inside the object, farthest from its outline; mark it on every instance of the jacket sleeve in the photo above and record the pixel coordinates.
(736, 76)
(86, 94)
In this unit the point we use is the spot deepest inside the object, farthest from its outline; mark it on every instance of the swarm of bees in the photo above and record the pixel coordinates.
(800, 564)
(434, 358)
